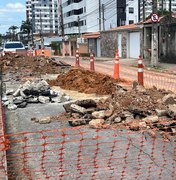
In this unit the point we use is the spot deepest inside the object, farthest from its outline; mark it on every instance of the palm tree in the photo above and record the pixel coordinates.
(13, 29)
(26, 28)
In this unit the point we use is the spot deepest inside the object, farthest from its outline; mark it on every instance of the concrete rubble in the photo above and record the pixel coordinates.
(37, 91)
(136, 109)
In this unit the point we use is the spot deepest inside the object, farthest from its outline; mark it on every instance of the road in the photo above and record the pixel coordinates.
(58, 152)
(151, 78)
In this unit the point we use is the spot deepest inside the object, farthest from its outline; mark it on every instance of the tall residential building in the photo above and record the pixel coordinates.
(44, 15)
(81, 16)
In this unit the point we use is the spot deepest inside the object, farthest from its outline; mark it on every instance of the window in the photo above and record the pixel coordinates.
(131, 10)
(131, 22)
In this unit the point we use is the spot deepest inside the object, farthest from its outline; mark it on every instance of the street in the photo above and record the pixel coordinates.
(129, 72)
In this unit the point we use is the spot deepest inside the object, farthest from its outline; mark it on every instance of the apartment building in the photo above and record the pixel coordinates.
(44, 15)
(81, 16)
(137, 10)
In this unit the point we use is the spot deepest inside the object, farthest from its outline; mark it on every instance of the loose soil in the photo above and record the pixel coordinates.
(86, 82)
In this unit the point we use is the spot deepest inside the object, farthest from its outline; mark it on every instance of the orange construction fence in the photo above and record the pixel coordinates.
(83, 153)
(44, 52)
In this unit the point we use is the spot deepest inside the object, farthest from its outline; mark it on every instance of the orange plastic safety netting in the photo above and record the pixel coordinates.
(82, 153)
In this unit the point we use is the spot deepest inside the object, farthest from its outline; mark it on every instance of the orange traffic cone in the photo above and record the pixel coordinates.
(116, 65)
(77, 59)
(92, 67)
(140, 71)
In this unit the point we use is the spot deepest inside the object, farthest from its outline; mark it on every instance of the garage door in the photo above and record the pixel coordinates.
(134, 44)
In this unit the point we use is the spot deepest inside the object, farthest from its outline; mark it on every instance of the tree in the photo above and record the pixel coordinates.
(13, 29)
(26, 28)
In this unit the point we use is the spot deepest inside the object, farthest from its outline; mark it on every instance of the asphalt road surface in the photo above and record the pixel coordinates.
(58, 152)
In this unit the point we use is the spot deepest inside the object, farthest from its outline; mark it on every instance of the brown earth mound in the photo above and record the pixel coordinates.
(86, 81)
(35, 65)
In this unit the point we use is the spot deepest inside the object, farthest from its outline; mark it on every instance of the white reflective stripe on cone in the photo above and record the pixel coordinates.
(116, 62)
(91, 60)
(139, 61)
(77, 55)
(140, 69)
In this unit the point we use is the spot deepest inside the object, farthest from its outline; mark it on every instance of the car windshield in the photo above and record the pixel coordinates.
(13, 45)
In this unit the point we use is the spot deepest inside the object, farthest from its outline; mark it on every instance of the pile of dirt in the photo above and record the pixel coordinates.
(35, 65)
(86, 82)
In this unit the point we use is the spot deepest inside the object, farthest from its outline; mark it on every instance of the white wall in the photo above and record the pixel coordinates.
(132, 16)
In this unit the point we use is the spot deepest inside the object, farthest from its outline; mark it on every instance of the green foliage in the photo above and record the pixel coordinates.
(12, 30)
(26, 27)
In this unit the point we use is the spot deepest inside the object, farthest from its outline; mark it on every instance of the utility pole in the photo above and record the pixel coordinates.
(162, 6)
(62, 21)
(79, 26)
(170, 8)
(143, 9)
(99, 15)
(154, 49)
(41, 31)
(103, 14)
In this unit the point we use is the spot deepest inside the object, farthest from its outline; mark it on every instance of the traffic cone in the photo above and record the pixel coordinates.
(116, 65)
(92, 67)
(140, 71)
(77, 59)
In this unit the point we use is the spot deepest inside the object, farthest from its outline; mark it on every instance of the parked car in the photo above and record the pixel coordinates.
(12, 46)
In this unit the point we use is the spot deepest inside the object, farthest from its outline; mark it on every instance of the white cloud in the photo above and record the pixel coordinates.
(12, 7)
(15, 7)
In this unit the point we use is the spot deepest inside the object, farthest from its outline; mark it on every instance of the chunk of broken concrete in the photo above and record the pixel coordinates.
(9, 91)
(151, 119)
(78, 122)
(117, 120)
(45, 120)
(22, 105)
(56, 99)
(17, 93)
(169, 99)
(44, 99)
(4, 98)
(161, 112)
(12, 107)
(172, 110)
(32, 100)
(96, 123)
(134, 126)
(98, 114)
(78, 109)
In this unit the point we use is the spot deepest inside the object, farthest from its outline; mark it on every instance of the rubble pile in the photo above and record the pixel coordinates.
(137, 109)
(37, 91)
(86, 82)
(34, 65)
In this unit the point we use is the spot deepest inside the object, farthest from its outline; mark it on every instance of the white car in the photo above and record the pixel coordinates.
(11, 47)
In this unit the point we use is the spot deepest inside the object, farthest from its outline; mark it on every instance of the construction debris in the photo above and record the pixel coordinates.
(37, 91)
(32, 65)
(133, 109)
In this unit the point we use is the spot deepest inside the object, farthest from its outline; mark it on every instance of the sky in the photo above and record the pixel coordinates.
(12, 12)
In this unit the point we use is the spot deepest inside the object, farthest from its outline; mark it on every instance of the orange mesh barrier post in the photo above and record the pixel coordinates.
(140, 71)
(92, 67)
(116, 65)
(77, 59)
